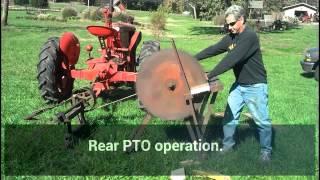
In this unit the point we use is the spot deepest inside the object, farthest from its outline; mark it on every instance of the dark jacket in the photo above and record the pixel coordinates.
(244, 56)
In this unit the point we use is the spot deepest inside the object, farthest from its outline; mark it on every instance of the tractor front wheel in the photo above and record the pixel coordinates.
(55, 84)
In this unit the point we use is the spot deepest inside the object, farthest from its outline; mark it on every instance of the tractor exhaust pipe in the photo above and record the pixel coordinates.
(108, 14)
(111, 6)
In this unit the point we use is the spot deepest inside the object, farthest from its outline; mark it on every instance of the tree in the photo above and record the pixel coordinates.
(39, 3)
(4, 16)
(211, 8)
(227, 3)
(142, 4)
(207, 9)
(175, 6)
(272, 6)
(194, 8)
(21, 2)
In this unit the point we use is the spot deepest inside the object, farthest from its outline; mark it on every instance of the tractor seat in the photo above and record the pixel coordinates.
(101, 31)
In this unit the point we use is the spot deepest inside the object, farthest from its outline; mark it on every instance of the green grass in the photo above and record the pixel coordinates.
(293, 98)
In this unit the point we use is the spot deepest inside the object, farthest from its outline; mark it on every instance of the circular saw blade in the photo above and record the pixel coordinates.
(161, 87)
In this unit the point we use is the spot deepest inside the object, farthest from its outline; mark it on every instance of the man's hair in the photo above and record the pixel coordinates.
(236, 11)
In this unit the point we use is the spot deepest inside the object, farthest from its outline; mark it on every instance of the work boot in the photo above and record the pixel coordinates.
(265, 156)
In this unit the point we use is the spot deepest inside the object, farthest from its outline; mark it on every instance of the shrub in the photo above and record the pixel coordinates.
(39, 3)
(86, 14)
(51, 17)
(252, 24)
(96, 14)
(292, 22)
(42, 17)
(159, 19)
(68, 12)
(48, 17)
(33, 17)
(73, 18)
(158, 22)
(92, 14)
(61, 20)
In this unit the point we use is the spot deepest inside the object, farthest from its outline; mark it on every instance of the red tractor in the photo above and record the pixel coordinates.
(117, 63)
(170, 83)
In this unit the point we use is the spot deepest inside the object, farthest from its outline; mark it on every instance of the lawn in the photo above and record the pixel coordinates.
(293, 97)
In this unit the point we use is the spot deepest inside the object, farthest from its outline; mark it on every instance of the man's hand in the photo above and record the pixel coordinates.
(215, 84)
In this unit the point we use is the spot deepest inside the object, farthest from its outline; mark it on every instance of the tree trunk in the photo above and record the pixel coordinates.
(194, 10)
(4, 16)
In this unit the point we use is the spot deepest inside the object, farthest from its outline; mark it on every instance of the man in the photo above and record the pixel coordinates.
(250, 87)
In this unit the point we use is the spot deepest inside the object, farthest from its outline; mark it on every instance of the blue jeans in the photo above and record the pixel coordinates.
(256, 98)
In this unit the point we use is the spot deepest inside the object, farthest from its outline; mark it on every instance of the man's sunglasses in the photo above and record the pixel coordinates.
(232, 23)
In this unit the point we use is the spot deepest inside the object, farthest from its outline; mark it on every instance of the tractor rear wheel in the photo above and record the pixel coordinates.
(147, 49)
(55, 84)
